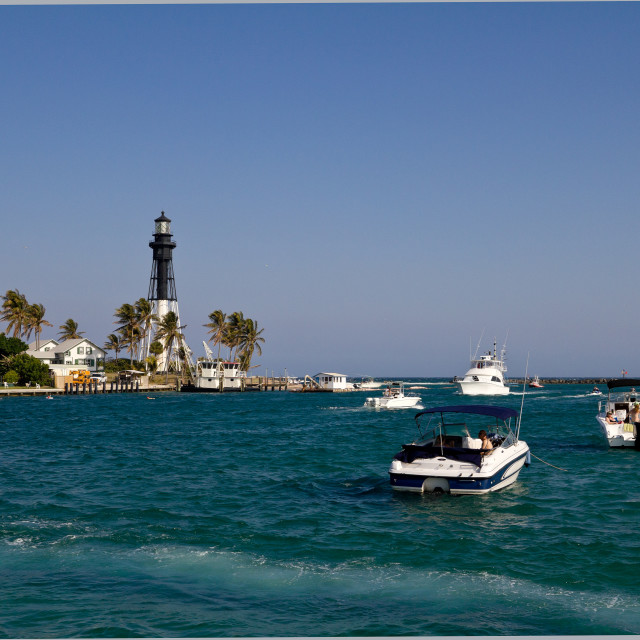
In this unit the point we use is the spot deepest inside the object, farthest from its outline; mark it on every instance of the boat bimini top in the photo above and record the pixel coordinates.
(501, 413)
(623, 382)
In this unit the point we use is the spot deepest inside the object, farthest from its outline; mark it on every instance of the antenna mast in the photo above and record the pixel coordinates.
(475, 355)
(524, 387)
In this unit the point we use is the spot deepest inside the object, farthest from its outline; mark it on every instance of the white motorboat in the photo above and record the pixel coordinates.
(613, 413)
(486, 376)
(595, 392)
(367, 384)
(394, 397)
(448, 458)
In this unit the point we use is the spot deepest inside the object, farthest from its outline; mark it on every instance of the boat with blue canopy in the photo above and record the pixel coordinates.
(462, 449)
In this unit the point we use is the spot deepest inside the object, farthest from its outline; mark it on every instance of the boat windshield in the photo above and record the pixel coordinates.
(462, 430)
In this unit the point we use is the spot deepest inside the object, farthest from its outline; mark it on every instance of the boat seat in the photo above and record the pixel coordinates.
(471, 443)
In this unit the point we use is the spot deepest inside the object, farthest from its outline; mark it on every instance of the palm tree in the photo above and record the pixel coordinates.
(35, 321)
(69, 330)
(233, 333)
(15, 311)
(145, 319)
(128, 321)
(168, 332)
(113, 343)
(250, 341)
(217, 328)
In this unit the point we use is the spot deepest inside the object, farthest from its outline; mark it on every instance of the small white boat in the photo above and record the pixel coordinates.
(486, 376)
(613, 413)
(394, 397)
(595, 392)
(367, 383)
(448, 458)
(535, 383)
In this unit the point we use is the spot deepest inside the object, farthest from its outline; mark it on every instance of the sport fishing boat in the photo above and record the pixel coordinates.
(486, 375)
(613, 413)
(448, 458)
(394, 397)
(535, 383)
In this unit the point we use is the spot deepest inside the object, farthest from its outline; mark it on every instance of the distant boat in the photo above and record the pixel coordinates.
(367, 383)
(535, 383)
(394, 397)
(486, 376)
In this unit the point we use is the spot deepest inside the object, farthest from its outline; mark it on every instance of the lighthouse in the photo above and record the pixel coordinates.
(162, 287)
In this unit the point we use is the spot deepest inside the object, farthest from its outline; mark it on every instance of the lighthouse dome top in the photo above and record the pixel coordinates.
(163, 224)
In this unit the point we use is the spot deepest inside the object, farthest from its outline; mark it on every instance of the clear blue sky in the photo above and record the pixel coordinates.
(375, 184)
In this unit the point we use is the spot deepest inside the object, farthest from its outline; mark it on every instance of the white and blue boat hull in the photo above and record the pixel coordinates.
(435, 475)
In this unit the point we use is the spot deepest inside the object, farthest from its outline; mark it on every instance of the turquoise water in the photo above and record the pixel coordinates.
(270, 514)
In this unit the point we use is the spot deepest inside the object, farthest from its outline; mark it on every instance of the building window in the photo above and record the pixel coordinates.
(80, 350)
(89, 350)
(90, 362)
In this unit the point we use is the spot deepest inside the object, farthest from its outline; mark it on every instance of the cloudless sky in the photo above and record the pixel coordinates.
(375, 184)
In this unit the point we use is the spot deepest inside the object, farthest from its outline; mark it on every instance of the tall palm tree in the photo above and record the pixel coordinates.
(113, 343)
(127, 318)
(233, 333)
(145, 319)
(251, 341)
(35, 321)
(69, 330)
(15, 311)
(217, 328)
(168, 332)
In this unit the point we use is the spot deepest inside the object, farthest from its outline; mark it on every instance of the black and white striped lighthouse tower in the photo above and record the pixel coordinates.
(162, 285)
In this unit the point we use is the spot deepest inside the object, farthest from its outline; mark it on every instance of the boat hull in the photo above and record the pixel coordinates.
(617, 435)
(475, 388)
(442, 475)
(393, 403)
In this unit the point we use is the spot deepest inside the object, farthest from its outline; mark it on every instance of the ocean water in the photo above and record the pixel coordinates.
(271, 514)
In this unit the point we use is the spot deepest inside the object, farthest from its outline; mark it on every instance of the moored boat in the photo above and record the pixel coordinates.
(394, 397)
(448, 458)
(216, 374)
(614, 413)
(486, 375)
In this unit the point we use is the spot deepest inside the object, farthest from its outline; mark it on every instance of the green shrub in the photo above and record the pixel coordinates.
(11, 377)
(30, 369)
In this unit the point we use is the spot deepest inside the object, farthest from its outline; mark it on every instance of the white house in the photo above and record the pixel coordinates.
(70, 355)
(331, 380)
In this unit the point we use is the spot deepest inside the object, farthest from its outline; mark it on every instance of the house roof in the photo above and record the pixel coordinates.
(43, 343)
(60, 347)
(333, 375)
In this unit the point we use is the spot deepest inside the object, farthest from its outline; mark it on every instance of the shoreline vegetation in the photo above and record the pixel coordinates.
(148, 338)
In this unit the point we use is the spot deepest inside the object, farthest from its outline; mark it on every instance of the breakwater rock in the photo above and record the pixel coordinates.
(543, 381)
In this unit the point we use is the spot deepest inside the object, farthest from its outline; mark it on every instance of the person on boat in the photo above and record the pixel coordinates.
(487, 447)
(595, 390)
(610, 419)
(634, 414)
